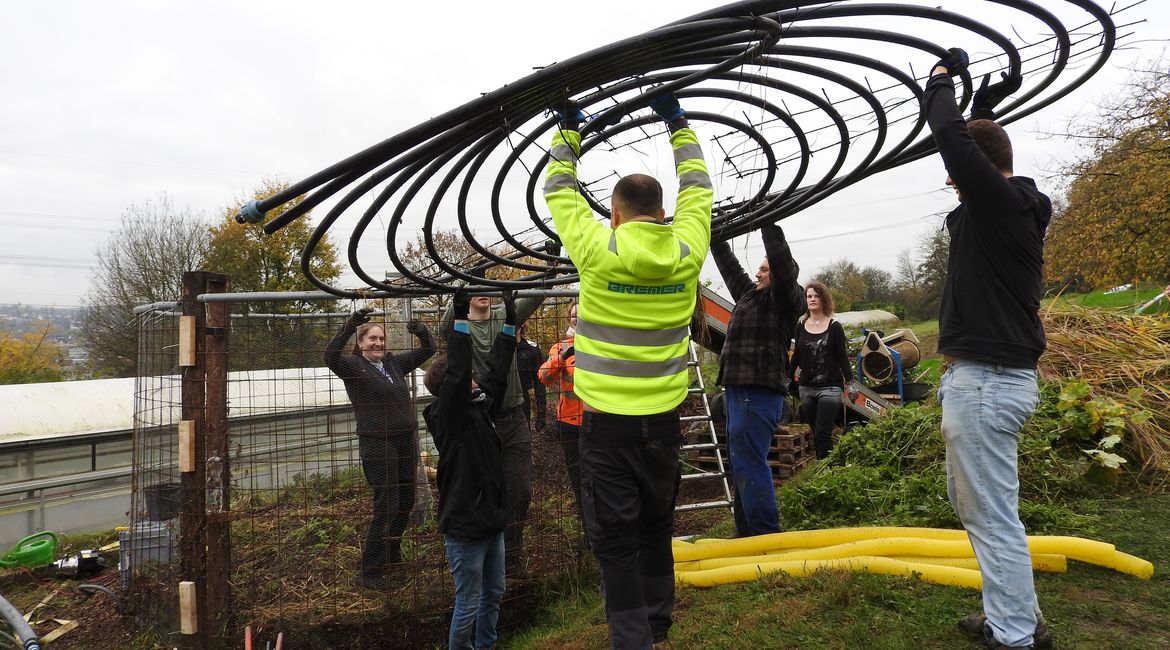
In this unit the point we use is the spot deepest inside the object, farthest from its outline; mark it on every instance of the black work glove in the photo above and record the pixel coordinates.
(568, 352)
(988, 97)
(415, 327)
(462, 305)
(955, 61)
(667, 107)
(509, 308)
(361, 316)
(569, 114)
(552, 247)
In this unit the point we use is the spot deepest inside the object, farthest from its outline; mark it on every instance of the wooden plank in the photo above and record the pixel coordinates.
(187, 329)
(186, 445)
(193, 514)
(188, 608)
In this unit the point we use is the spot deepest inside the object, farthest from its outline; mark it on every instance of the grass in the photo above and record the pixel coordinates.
(1088, 607)
(1125, 300)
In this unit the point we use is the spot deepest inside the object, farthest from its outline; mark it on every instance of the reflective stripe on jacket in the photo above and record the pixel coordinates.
(638, 284)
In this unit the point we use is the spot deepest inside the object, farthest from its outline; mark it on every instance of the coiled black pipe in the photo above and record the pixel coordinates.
(729, 54)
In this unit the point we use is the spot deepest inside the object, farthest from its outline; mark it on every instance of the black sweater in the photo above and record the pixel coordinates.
(991, 299)
(756, 350)
(822, 358)
(471, 470)
(382, 404)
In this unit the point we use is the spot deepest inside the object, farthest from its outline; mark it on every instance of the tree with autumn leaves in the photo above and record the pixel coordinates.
(144, 262)
(1113, 226)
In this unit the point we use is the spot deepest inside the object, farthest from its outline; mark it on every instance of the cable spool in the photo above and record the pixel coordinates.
(878, 364)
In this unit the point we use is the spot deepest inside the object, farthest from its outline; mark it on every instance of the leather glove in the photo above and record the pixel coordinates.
(569, 114)
(415, 327)
(361, 316)
(988, 97)
(955, 61)
(667, 107)
(462, 307)
(509, 308)
(568, 352)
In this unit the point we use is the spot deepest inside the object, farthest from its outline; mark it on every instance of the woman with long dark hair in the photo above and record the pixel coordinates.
(387, 429)
(822, 363)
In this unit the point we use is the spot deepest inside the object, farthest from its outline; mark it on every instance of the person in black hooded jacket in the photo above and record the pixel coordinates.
(471, 472)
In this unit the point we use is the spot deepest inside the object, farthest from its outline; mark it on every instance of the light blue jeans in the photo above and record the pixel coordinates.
(984, 407)
(478, 569)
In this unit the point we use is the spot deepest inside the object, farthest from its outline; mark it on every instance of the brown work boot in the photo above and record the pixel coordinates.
(973, 625)
(661, 645)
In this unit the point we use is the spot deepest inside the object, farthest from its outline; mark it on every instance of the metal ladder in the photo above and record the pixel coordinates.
(721, 473)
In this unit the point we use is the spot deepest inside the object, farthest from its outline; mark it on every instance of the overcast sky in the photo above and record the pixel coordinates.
(106, 105)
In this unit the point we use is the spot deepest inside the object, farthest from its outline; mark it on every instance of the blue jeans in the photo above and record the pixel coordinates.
(478, 569)
(984, 407)
(752, 416)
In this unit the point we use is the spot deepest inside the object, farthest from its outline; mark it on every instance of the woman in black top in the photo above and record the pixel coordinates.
(387, 428)
(822, 364)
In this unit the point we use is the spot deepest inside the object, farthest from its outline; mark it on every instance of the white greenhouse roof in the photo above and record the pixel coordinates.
(39, 411)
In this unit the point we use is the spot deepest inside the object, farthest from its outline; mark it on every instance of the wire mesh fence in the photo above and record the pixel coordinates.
(296, 500)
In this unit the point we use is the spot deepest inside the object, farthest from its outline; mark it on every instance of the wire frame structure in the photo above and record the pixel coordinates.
(793, 102)
(266, 512)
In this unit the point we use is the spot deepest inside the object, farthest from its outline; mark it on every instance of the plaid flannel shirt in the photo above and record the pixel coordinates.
(756, 350)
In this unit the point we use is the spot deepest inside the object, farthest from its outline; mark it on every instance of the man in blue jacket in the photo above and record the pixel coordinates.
(991, 336)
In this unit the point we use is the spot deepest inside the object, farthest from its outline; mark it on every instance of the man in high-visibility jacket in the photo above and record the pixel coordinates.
(639, 280)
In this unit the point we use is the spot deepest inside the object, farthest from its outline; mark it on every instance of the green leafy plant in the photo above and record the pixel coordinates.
(1099, 420)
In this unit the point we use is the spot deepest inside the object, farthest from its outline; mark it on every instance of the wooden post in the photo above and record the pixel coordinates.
(193, 515)
(219, 549)
(204, 540)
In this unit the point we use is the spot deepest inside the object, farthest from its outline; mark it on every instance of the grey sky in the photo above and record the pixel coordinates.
(110, 104)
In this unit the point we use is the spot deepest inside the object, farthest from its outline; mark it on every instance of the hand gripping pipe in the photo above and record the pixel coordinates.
(805, 98)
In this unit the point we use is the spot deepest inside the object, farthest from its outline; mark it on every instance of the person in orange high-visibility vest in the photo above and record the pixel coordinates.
(557, 373)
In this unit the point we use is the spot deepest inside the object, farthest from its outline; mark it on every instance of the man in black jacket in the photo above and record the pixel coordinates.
(471, 472)
(753, 368)
(991, 336)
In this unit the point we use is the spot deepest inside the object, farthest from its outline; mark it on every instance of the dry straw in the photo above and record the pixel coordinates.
(1116, 353)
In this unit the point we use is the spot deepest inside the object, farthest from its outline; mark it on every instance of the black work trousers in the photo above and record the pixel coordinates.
(569, 436)
(389, 466)
(516, 440)
(629, 482)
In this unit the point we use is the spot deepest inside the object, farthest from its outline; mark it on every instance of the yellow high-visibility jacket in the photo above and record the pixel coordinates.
(638, 284)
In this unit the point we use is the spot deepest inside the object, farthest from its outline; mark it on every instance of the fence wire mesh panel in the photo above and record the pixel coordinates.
(149, 549)
(302, 487)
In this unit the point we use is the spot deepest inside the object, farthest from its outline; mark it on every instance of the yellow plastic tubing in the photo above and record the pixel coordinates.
(943, 575)
(851, 542)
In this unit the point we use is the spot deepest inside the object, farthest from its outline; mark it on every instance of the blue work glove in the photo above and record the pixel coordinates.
(988, 97)
(569, 114)
(955, 61)
(462, 306)
(509, 308)
(666, 105)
